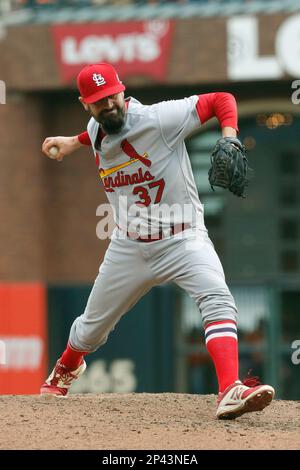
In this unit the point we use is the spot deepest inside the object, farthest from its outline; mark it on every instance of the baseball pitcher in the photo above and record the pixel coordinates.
(160, 234)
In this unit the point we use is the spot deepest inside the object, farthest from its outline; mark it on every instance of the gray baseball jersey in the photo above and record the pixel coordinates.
(146, 166)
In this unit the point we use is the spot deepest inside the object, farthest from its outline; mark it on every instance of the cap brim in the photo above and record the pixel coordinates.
(104, 93)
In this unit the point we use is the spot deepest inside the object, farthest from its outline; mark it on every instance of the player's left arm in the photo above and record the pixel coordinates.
(221, 105)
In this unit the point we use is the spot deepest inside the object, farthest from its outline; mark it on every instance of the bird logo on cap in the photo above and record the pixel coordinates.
(98, 79)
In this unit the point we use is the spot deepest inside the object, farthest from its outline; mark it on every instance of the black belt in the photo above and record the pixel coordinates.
(160, 235)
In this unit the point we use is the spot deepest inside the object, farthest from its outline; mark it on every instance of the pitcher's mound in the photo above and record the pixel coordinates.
(142, 421)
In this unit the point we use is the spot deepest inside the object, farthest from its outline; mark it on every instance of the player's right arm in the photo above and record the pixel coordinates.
(65, 145)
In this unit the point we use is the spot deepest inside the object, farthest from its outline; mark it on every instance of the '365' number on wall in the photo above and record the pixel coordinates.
(117, 377)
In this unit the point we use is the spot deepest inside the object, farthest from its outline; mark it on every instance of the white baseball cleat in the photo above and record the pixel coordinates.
(60, 379)
(238, 399)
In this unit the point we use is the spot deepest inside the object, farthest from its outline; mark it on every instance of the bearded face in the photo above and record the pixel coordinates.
(112, 120)
(109, 112)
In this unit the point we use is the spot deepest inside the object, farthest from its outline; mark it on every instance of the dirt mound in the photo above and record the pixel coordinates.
(142, 421)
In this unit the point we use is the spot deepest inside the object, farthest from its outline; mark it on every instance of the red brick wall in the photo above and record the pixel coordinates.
(48, 209)
(21, 191)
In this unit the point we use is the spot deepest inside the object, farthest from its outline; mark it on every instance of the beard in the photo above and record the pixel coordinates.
(112, 121)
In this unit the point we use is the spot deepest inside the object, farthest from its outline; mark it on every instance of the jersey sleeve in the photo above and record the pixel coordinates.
(177, 119)
(84, 138)
(221, 105)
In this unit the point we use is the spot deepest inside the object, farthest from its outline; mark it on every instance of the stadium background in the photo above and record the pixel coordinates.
(50, 252)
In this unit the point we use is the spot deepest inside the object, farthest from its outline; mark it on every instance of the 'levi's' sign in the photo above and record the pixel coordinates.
(135, 48)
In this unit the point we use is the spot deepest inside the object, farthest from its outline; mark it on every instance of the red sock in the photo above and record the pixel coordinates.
(71, 358)
(222, 345)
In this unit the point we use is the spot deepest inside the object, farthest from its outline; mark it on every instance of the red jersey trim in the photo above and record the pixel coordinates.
(221, 105)
(84, 138)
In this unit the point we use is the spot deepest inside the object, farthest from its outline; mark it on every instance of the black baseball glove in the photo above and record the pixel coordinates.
(229, 166)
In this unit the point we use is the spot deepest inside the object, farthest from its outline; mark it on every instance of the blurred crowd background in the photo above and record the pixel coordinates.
(50, 251)
(73, 3)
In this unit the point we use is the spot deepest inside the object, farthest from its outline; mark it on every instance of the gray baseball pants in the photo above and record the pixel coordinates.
(131, 268)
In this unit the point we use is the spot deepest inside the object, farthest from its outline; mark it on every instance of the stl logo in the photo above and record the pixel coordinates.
(2, 92)
(98, 79)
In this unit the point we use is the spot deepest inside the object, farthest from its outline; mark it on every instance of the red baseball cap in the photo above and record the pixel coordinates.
(96, 81)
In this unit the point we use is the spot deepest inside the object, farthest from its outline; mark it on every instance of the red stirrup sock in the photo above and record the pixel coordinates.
(71, 358)
(222, 345)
